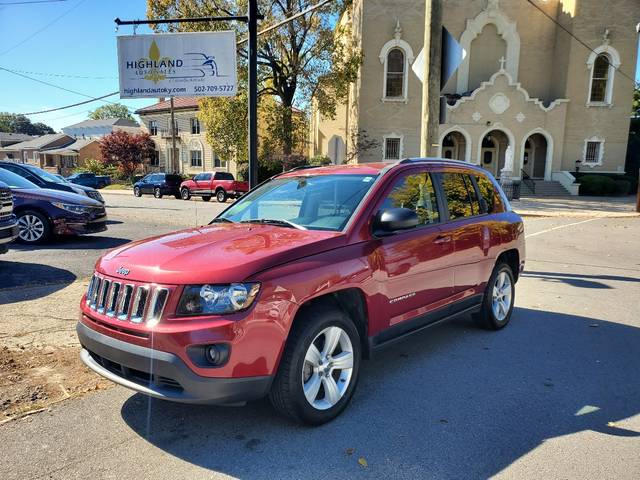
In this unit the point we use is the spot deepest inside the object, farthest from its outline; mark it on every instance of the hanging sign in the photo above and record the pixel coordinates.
(198, 64)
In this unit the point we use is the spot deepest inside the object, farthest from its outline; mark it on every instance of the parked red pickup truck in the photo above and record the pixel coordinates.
(222, 185)
(288, 289)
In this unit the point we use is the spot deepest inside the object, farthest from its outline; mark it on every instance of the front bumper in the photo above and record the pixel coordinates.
(162, 374)
(8, 233)
(67, 226)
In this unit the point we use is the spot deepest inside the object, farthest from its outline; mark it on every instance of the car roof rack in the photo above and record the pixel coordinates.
(303, 167)
(433, 159)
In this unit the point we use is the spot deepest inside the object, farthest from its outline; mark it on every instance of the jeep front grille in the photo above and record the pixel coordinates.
(126, 301)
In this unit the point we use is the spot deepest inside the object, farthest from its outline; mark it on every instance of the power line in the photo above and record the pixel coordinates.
(47, 83)
(63, 75)
(262, 32)
(30, 1)
(581, 42)
(29, 37)
(72, 105)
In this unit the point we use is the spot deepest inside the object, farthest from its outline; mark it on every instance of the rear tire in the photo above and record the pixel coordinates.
(221, 196)
(34, 227)
(323, 339)
(206, 198)
(499, 298)
(137, 192)
(185, 194)
(157, 192)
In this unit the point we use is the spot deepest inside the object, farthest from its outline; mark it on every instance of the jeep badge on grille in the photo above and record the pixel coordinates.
(123, 271)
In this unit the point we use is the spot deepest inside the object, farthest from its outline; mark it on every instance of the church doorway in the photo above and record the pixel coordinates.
(535, 155)
(454, 146)
(492, 151)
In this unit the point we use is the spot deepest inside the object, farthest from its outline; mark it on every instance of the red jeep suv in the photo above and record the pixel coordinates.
(288, 289)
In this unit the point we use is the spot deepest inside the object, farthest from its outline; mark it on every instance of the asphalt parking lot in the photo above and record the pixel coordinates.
(554, 395)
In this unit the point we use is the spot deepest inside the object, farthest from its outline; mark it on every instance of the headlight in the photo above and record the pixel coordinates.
(79, 209)
(217, 299)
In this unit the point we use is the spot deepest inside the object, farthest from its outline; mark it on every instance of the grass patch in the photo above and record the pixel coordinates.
(119, 186)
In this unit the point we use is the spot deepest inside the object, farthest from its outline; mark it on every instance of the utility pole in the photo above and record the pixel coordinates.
(173, 138)
(431, 83)
(252, 15)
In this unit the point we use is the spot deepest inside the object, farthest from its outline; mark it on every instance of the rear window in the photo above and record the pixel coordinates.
(489, 194)
(223, 176)
(173, 178)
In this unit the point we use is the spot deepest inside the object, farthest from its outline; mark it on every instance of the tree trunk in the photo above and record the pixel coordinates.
(287, 129)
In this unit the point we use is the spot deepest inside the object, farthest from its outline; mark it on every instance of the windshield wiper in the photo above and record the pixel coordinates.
(221, 220)
(274, 221)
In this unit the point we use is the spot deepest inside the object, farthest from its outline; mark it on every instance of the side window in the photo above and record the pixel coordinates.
(198, 177)
(417, 193)
(457, 195)
(205, 176)
(489, 194)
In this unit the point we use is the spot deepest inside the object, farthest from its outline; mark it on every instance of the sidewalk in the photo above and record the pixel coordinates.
(609, 207)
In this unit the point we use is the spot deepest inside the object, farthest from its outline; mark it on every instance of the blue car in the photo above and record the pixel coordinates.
(42, 212)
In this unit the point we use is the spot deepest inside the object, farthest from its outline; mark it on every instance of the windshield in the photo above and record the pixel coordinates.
(323, 202)
(46, 176)
(15, 181)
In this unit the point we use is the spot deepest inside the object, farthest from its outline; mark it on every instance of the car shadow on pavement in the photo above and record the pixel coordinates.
(453, 401)
(80, 242)
(579, 280)
(17, 277)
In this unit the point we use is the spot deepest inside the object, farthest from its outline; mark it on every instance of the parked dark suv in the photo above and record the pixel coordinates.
(288, 289)
(158, 184)
(44, 179)
(8, 222)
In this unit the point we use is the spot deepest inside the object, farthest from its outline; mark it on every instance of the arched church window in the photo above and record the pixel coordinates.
(395, 74)
(600, 79)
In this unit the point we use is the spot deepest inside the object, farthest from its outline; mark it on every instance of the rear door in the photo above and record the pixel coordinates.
(413, 265)
(147, 184)
(465, 228)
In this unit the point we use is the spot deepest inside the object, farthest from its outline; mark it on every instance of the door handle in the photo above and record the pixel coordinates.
(442, 239)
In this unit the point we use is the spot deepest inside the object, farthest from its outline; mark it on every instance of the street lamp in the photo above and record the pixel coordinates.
(578, 163)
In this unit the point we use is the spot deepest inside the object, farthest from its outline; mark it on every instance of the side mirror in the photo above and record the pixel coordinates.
(393, 219)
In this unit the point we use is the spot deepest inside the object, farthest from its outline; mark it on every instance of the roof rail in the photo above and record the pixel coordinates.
(302, 167)
(433, 159)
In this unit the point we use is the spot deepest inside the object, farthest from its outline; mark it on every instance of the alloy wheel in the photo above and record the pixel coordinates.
(328, 368)
(31, 228)
(502, 296)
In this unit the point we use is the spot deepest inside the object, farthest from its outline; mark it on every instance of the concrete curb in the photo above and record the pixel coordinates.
(574, 214)
(117, 192)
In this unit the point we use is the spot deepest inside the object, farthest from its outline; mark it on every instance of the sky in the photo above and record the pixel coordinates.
(76, 38)
(81, 42)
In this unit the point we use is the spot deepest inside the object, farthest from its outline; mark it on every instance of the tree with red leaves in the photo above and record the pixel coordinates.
(126, 151)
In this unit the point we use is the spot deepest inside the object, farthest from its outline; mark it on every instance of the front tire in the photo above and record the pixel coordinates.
(157, 192)
(185, 194)
(499, 298)
(319, 368)
(34, 227)
(221, 196)
(137, 192)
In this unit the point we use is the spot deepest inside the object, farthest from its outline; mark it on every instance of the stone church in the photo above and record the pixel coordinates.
(525, 83)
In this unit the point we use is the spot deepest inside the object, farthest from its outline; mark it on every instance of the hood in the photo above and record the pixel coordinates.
(48, 195)
(218, 253)
(80, 187)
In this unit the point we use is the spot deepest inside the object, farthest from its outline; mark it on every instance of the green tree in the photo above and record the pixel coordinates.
(111, 110)
(293, 59)
(17, 123)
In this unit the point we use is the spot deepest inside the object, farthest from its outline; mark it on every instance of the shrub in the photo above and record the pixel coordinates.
(320, 160)
(623, 187)
(633, 181)
(91, 165)
(597, 185)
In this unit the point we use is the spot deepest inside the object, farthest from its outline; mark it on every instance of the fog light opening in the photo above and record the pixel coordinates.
(217, 354)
